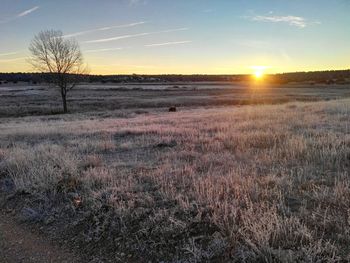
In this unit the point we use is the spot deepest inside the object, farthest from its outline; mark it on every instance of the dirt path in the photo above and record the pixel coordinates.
(19, 244)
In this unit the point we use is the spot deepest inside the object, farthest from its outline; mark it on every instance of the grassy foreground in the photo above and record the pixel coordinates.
(253, 183)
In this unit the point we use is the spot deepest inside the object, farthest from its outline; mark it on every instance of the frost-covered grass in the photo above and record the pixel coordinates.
(254, 183)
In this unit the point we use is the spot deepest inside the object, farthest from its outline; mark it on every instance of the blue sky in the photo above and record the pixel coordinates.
(185, 36)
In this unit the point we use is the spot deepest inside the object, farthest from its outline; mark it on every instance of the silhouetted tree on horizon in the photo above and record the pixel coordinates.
(61, 57)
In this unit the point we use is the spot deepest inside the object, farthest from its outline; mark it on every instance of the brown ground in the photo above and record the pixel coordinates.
(20, 244)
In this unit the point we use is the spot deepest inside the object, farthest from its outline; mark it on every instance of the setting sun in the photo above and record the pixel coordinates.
(259, 71)
(259, 74)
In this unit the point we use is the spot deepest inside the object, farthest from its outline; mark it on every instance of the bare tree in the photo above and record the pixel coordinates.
(61, 57)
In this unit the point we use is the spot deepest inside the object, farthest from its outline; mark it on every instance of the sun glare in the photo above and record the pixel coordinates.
(259, 74)
(259, 71)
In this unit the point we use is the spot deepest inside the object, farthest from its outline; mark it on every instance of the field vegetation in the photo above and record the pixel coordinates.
(256, 183)
(22, 99)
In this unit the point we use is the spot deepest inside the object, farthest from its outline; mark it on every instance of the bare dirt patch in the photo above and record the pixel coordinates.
(21, 244)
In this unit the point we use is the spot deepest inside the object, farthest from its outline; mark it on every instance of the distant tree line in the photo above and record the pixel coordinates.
(326, 77)
(32, 78)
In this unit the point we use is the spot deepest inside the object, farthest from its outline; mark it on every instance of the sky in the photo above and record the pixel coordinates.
(184, 36)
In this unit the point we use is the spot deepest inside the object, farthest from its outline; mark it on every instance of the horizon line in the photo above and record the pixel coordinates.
(189, 74)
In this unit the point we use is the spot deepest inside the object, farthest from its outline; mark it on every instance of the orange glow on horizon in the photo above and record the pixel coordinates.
(144, 67)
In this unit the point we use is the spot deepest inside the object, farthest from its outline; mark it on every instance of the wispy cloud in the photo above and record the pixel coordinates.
(103, 50)
(104, 29)
(134, 35)
(27, 12)
(8, 54)
(297, 21)
(171, 30)
(19, 15)
(102, 40)
(168, 43)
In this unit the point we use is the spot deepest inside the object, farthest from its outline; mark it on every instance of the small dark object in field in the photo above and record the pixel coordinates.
(172, 109)
(170, 144)
(29, 215)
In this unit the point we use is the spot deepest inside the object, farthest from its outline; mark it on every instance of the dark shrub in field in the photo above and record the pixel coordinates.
(172, 109)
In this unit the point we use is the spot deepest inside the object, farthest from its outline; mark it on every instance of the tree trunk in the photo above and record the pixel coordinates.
(64, 99)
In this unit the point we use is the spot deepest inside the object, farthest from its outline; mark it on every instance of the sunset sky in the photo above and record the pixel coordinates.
(184, 36)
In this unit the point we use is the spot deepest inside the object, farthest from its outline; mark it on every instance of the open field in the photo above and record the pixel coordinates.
(257, 183)
(21, 100)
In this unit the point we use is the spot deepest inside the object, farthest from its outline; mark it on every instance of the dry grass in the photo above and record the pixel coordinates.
(256, 183)
(123, 100)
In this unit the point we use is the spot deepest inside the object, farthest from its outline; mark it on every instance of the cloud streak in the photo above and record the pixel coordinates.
(103, 40)
(104, 29)
(103, 50)
(19, 15)
(116, 38)
(27, 12)
(169, 43)
(8, 54)
(296, 21)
